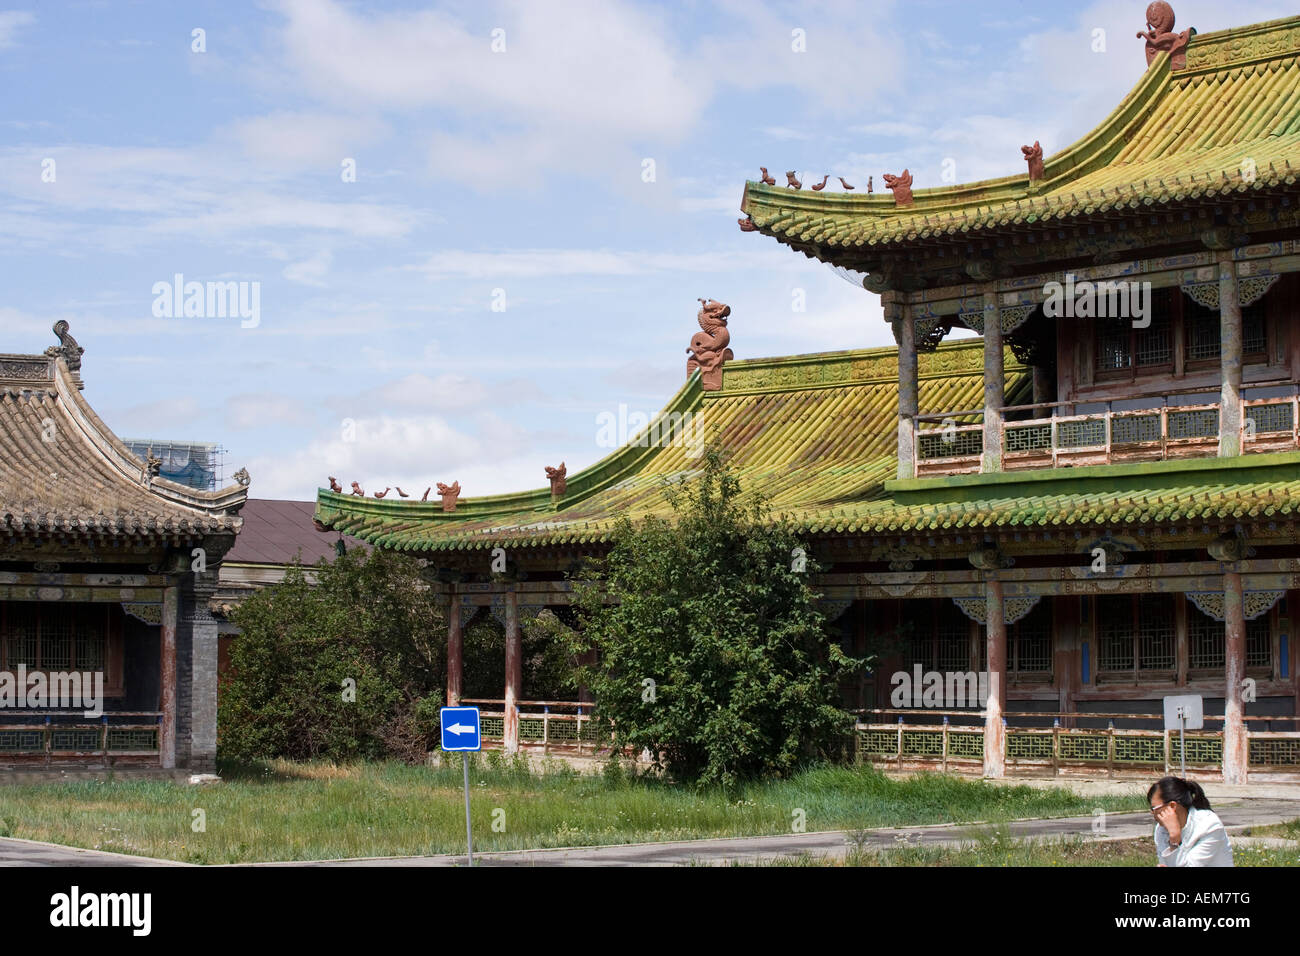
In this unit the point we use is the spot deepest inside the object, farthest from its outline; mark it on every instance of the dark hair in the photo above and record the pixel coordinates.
(1178, 790)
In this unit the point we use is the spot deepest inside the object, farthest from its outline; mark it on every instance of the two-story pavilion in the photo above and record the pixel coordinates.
(1099, 507)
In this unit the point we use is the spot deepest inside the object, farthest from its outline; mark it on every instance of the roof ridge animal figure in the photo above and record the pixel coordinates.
(902, 187)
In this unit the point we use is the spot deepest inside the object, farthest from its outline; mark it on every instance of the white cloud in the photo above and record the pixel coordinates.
(411, 452)
(262, 409)
(538, 263)
(11, 21)
(122, 198)
(304, 140)
(310, 271)
(152, 419)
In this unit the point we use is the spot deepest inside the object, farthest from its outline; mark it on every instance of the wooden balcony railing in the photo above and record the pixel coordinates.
(952, 443)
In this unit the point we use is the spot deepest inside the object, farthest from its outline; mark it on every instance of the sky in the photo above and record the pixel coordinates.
(477, 230)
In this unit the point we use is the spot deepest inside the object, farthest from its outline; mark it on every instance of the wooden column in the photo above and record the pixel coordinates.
(1042, 390)
(455, 649)
(1230, 358)
(1235, 742)
(994, 379)
(167, 677)
(908, 392)
(995, 735)
(586, 659)
(1065, 653)
(514, 672)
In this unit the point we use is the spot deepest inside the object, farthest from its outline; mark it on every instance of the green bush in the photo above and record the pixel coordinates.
(711, 652)
(351, 666)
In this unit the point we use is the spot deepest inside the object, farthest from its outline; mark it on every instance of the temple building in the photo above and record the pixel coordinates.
(107, 572)
(1095, 503)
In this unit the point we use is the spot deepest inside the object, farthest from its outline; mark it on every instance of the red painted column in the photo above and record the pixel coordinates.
(167, 678)
(908, 401)
(1229, 358)
(994, 383)
(995, 734)
(1236, 745)
(455, 649)
(514, 672)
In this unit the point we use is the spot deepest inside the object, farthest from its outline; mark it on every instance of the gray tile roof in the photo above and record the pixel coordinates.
(64, 473)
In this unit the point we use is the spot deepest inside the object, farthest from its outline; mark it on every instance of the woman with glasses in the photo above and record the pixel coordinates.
(1188, 832)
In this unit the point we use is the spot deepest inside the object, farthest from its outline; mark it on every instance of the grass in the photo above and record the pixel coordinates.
(1286, 831)
(995, 847)
(286, 811)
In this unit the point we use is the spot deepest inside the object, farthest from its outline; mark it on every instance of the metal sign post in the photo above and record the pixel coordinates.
(1182, 743)
(1183, 714)
(462, 731)
(469, 835)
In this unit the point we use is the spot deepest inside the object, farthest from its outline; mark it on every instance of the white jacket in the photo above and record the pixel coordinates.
(1204, 842)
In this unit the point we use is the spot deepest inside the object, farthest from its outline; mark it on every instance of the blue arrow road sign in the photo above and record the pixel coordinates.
(460, 729)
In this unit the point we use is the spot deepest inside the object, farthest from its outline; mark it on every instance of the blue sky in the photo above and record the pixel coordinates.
(519, 170)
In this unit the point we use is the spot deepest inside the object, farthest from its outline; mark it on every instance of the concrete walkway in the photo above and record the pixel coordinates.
(831, 844)
(15, 852)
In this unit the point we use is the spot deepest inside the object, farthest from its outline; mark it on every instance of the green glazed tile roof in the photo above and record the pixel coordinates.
(816, 433)
(1177, 136)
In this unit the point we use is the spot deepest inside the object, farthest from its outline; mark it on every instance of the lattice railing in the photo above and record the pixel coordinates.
(1059, 747)
(78, 739)
(547, 730)
(1172, 431)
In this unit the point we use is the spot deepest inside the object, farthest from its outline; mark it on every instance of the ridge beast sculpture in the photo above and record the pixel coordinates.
(902, 187)
(558, 480)
(1034, 157)
(708, 348)
(449, 495)
(1161, 38)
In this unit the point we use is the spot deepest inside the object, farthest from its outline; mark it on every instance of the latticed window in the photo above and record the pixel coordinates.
(53, 637)
(1203, 333)
(1135, 633)
(941, 638)
(1029, 643)
(1121, 347)
(1207, 642)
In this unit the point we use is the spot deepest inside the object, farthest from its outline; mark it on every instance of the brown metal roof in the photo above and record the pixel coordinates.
(276, 531)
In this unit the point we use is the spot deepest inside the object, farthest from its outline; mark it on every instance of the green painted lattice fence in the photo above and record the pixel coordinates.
(1060, 747)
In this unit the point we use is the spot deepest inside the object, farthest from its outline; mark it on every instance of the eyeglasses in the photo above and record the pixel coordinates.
(1155, 811)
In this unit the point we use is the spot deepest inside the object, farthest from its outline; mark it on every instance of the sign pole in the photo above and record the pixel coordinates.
(463, 730)
(1182, 744)
(469, 836)
(1182, 714)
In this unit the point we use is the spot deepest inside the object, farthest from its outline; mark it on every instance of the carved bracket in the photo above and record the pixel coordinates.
(1249, 291)
(148, 613)
(1254, 603)
(833, 610)
(1010, 318)
(1013, 609)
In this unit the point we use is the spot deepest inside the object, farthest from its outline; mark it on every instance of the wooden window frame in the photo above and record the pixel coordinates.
(113, 664)
(1171, 311)
(1137, 673)
(1214, 671)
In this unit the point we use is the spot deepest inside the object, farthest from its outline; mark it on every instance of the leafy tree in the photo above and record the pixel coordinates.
(368, 622)
(715, 609)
